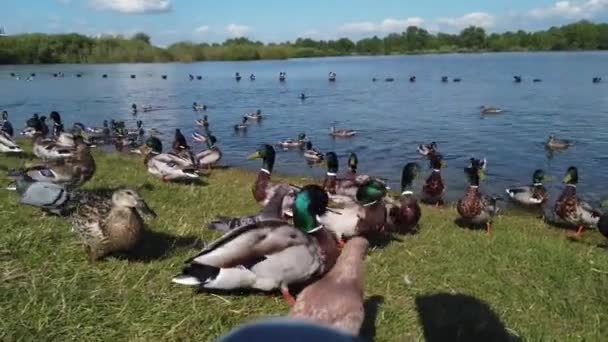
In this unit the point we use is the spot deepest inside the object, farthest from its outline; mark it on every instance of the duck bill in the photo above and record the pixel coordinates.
(254, 155)
(481, 174)
(145, 210)
(568, 178)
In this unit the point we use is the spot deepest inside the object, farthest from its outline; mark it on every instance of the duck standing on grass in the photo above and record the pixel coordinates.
(210, 156)
(474, 207)
(573, 210)
(336, 300)
(433, 187)
(263, 189)
(268, 254)
(534, 194)
(404, 215)
(109, 222)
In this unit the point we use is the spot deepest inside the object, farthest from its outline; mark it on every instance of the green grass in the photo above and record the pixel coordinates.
(539, 284)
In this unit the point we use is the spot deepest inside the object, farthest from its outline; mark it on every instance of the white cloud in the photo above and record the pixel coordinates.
(569, 9)
(236, 30)
(479, 19)
(202, 29)
(386, 25)
(310, 34)
(133, 6)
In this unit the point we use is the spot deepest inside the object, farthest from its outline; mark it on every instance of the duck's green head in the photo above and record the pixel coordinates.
(571, 176)
(267, 154)
(155, 145)
(475, 171)
(331, 161)
(310, 203)
(538, 177)
(353, 162)
(301, 137)
(371, 191)
(409, 174)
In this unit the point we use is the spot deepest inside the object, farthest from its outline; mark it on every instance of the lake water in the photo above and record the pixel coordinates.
(391, 117)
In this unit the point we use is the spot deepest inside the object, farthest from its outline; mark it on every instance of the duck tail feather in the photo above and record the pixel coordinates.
(196, 275)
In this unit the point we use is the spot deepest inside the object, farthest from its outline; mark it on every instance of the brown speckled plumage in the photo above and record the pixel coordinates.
(565, 206)
(404, 218)
(260, 187)
(336, 300)
(433, 188)
(469, 206)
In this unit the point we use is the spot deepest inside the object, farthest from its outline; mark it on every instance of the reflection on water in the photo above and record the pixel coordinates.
(391, 117)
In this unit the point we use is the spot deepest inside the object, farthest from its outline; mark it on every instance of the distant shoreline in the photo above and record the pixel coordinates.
(74, 48)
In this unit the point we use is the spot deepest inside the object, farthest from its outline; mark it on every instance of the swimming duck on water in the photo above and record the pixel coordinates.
(293, 143)
(312, 154)
(487, 110)
(554, 143)
(341, 132)
(198, 107)
(257, 116)
(242, 126)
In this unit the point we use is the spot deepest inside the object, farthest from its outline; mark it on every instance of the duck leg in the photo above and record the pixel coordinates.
(488, 226)
(579, 231)
(287, 296)
(340, 242)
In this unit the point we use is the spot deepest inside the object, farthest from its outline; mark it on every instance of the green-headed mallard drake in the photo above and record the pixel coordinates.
(554, 143)
(475, 207)
(427, 149)
(257, 116)
(71, 172)
(291, 143)
(210, 156)
(343, 190)
(242, 126)
(341, 132)
(433, 186)
(268, 254)
(312, 154)
(263, 188)
(533, 194)
(358, 218)
(336, 300)
(7, 145)
(109, 222)
(166, 166)
(572, 209)
(404, 215)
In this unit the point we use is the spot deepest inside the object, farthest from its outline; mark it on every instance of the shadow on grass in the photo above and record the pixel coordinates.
(157, 245)
(380, 240)
(464, 224)
(368, 329)
(448, 317)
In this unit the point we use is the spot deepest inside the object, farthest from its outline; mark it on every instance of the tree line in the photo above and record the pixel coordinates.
(37, 48)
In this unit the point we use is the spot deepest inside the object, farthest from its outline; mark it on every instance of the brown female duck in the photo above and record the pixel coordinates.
(474, 207)
(433, 187)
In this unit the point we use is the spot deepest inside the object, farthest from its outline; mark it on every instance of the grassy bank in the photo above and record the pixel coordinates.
(525, 280)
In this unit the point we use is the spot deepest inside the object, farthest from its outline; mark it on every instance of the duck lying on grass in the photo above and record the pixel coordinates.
(7, 144)
(403, 216)
(209, 157)
(336, 300)
(573, 210)
(474, 207)
(166, 166)
(269, 254)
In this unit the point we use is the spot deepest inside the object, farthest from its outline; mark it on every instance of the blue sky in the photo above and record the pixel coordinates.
(279, 20)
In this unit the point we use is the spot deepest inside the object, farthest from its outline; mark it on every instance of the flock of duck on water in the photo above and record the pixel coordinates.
(297, 236)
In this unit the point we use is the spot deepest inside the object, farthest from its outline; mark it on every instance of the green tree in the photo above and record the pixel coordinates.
(142, 37)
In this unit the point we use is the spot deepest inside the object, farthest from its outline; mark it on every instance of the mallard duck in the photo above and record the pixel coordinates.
(252, 77)
(403, 216)
(312, 154)
(291, 143)
(237, 77)
(7, 145)
(359, 218)
(210, 156)
(134, 109)
(474, 207)
(573, 210)
(263, 189)
(179, 142)
(257, 116)
(554, 143)
(343, 190)
(204, 122)
(517, 79)
(534, 194)
(427, 149)
(597, 80)
(57, 124)
(242, 126)
(198, 107)
(342, 132)
(433, 187)
(268, 254)
(5, 125)
(353, 164)
(602, 224)
(109, 223)
(167, 166)
(282, 76)
(72, 172)
(48, 149)
(49, 197)
(332, 77)
(490, 110)
(303, 96)
(336, 300)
